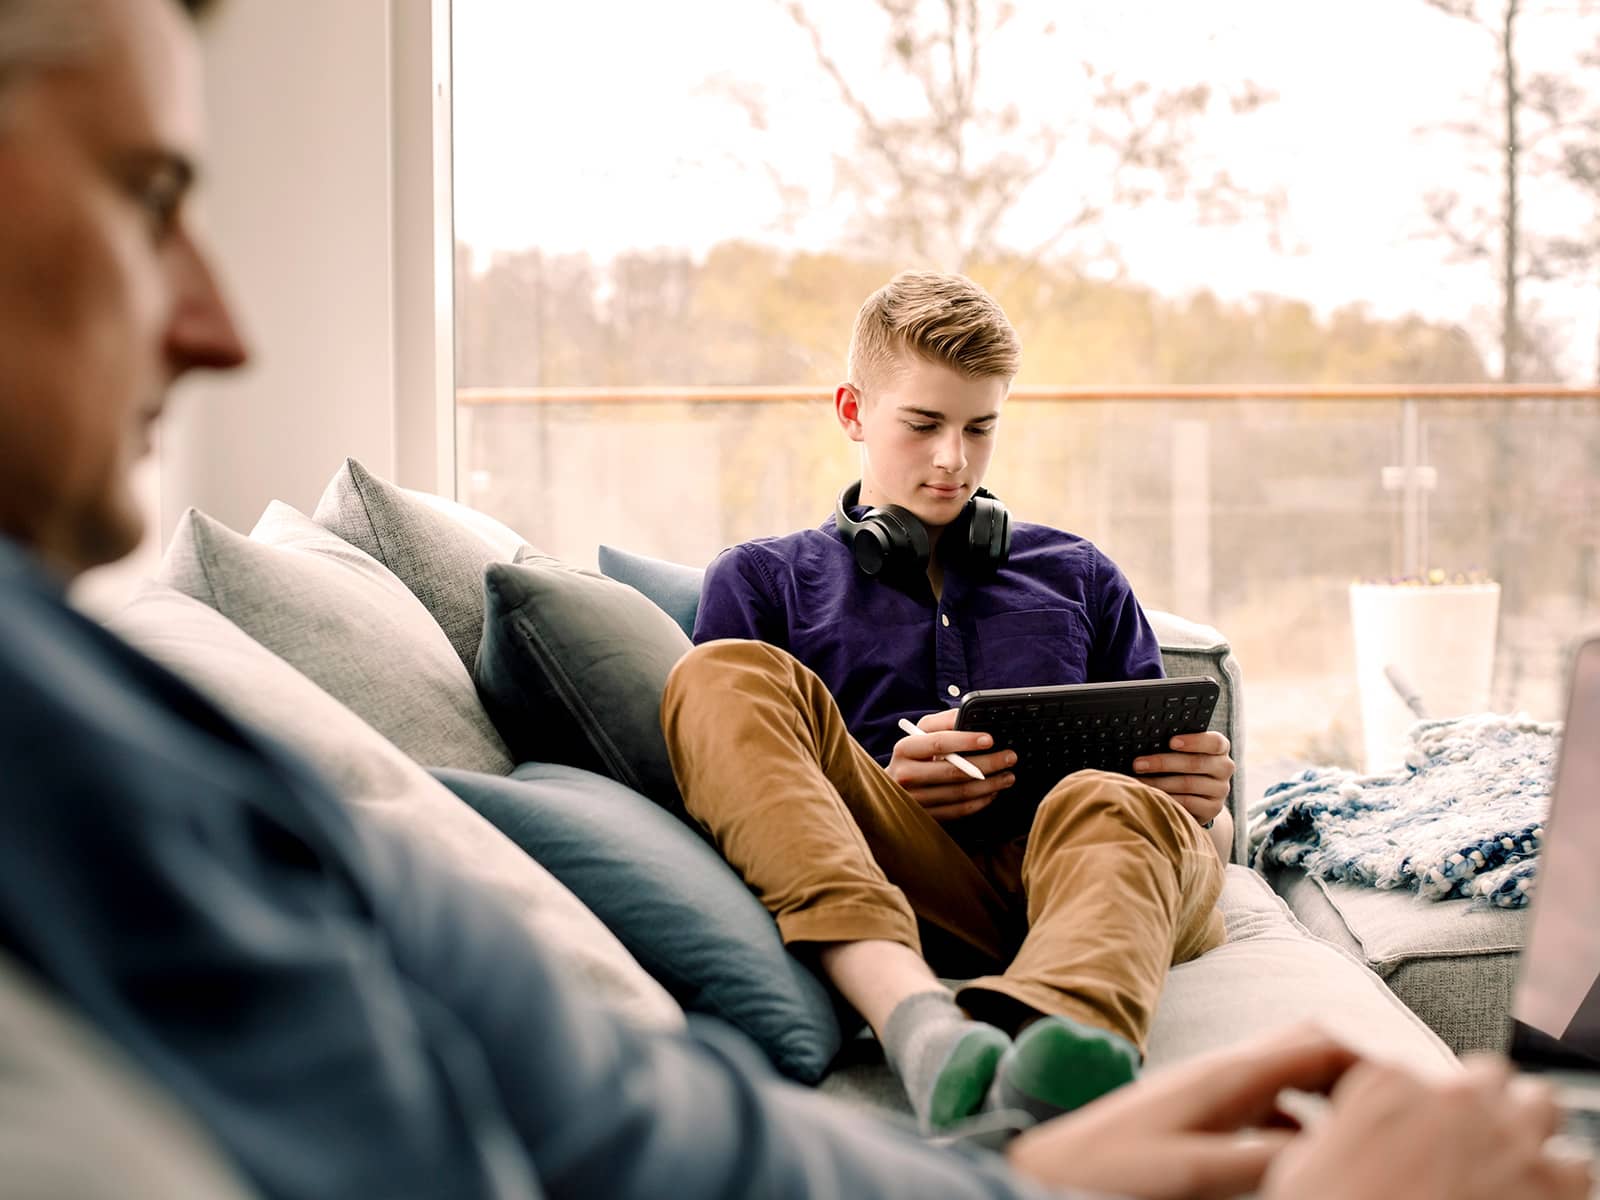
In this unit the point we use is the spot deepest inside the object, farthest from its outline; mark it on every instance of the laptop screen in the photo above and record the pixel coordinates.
(1556, 1009)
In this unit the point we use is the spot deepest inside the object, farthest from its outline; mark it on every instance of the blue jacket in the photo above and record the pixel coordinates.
(345, 1016)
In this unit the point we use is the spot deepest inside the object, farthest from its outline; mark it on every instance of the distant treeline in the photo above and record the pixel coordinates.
(752, 314)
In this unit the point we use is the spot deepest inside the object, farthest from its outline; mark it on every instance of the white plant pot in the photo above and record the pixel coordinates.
(1438, 639)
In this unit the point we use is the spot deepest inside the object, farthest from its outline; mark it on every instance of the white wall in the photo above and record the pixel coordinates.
(326, 201)
(306, 214)
(297, 202)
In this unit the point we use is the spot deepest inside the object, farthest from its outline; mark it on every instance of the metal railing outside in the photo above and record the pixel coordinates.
(1250, 507)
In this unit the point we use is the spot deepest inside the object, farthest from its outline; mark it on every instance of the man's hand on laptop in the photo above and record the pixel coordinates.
(1484, 1133)
(1195, 772)
(1217, 1125)
(1209, 1126)
(947, 792)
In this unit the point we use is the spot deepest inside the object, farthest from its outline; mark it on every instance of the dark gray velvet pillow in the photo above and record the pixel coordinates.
(670, 899)
(571, 669)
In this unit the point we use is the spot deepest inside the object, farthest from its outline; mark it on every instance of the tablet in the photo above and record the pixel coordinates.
(1076, 726)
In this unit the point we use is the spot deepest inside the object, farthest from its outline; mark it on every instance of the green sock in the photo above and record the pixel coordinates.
(945, 1060)
(1058, 1064)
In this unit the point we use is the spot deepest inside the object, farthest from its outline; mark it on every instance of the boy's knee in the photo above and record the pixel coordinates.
(710, 668)
(1106, 794)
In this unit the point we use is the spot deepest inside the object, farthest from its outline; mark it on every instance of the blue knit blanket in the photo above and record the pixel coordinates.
(1463, 818)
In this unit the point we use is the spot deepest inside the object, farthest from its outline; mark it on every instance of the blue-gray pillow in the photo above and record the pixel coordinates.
(681, 911)
(673, 586)
(571, 669)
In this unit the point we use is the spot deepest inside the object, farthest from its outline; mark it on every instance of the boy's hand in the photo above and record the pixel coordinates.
(917, 764)
(1195, 773)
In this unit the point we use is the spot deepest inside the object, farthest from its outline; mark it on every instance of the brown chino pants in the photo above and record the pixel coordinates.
(1082, 917)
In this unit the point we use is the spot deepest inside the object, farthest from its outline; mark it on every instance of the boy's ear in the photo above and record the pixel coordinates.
(848, 406)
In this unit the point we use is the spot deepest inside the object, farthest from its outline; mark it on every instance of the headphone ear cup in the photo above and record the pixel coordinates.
(979, 533)
(989, 534)
(1000, 541)
(908, 538)
(870, 546)
(889, 540)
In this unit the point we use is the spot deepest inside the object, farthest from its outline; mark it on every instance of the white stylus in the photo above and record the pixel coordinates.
(908, 727)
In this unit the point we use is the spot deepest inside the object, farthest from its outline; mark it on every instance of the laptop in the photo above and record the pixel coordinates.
(1555, 1008)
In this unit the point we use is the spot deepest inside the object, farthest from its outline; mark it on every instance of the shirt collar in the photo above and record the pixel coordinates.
(18, 566)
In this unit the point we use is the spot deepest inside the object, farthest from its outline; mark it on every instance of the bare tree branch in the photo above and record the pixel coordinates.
(943, 179)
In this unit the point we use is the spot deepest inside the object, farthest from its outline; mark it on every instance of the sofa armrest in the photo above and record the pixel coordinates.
(1189, 648)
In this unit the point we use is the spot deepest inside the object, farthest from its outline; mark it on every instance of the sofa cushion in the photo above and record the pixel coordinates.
(670, 899)
(674, 587)
(342, 618)
(1271, 973)
(1453, 963)
(434, 546)
(572, 668)
(382, 786)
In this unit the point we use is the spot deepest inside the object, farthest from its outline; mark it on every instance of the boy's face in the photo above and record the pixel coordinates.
(926, 433)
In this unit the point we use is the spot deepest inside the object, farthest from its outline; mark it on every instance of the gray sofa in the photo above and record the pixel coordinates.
(1451, 963)
(355, 649)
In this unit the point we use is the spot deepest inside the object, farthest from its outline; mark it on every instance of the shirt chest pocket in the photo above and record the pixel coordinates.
(1034, 647)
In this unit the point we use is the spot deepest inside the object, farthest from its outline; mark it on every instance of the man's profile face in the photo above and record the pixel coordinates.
(927, 434)
(105, 298)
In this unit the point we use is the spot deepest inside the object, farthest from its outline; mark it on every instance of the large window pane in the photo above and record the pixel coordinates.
(667, 216)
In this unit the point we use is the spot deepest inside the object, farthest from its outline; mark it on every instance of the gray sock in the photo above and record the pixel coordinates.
(945, 1059)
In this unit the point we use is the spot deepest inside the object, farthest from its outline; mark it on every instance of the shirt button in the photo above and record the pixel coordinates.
(953, 690)
(944, 619)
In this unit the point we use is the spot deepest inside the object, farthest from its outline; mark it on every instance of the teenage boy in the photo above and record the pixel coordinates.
(919, 589)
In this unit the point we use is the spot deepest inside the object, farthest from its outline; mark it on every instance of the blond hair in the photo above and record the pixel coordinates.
(945, 319)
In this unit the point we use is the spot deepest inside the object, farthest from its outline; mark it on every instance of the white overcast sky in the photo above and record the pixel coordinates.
(589, 126)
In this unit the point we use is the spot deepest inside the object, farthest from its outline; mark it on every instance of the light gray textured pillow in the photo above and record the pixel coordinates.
(341, 618)
(436, 547)
(383, 786)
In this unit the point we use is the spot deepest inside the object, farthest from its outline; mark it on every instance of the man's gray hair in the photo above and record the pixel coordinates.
(39, 34)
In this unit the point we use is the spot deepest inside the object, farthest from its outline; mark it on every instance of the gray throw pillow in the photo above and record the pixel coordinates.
(572, 668)
(434, 546)
(683, 913)
(342, 619)
(384, 787)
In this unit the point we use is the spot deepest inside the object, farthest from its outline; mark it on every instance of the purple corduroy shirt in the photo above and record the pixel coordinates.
(1058, 612)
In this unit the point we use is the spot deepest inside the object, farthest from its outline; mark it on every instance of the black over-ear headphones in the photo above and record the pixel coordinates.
(891, 539)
